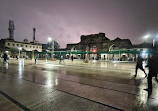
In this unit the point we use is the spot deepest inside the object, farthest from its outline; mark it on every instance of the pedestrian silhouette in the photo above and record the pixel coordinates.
(139, 65)
(16, 57)
(5, 58)
(72, 58)
(35, 59)
(153, 70)
(60, 59)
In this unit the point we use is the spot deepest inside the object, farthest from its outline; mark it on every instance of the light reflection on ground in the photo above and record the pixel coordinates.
(95, 73)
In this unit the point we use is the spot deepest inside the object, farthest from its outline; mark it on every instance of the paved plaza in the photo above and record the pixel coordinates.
(74, 86)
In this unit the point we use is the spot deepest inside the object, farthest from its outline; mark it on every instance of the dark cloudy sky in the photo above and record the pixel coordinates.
(66, 20)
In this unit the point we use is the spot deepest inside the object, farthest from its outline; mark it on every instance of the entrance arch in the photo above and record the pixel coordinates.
(76, 56)
(112, 56)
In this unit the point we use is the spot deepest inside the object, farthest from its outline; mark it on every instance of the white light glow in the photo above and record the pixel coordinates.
(94, 61)
(147, 36)
(20, 48)
(144, 54)
(49, 39)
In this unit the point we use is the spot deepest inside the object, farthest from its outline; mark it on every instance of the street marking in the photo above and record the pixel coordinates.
(91, 100)
(14, 101)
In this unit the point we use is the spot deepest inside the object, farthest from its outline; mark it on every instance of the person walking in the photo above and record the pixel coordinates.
(35, 59)
(59, 59)
(72, 58)
(62, 58)
(153, 71)
(139, 65)
(5, 58)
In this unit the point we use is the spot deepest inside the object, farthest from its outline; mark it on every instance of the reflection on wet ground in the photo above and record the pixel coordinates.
(110, 84)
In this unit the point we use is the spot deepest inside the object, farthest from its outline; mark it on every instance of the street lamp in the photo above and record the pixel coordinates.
(19, 51)
(154, 40)
(153, 37)
(147, 36)
(50, 40)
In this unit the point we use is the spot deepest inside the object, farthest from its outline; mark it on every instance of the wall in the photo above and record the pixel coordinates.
(25, 46)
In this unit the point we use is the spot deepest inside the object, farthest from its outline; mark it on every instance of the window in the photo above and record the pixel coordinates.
(13, 44)
(30, 46)
(17, 44)
(33, 46)
(8, 44)
(37, 47)
(26, 45)
(21, 45)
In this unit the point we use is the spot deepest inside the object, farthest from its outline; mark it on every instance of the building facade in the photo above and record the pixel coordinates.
(14, 47)
(99, 43)
(24, 45)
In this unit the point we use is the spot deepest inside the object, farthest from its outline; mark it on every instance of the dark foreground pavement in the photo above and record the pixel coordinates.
(74, 86)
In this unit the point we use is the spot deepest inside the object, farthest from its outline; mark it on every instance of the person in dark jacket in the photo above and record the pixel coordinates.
(5, 57)
(139, 65)
(35, 57)
(153, 70)
(72, 58)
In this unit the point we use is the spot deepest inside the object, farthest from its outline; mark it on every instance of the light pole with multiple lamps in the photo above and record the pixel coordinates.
(153, 38)
(50, 40)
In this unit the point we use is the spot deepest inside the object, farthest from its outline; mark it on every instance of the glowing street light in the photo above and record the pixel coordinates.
(154, 40)
(50, 40)
(151, 36)
(147, 36)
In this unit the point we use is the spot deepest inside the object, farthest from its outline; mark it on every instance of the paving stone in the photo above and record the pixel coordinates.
(77, 86)
(7, 105)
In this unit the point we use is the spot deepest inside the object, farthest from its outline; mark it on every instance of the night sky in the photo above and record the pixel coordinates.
(66, 20)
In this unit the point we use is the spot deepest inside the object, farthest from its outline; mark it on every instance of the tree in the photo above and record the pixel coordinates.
(50, 45)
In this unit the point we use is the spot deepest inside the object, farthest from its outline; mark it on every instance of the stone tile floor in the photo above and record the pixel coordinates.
(74, 86)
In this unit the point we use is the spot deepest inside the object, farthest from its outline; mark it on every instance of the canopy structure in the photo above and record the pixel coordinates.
(119, 52)
(99, 52)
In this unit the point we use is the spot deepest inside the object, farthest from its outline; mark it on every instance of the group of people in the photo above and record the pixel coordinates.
(153, 70)
(61, 58)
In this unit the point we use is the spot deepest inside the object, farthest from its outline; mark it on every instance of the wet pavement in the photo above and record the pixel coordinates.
(74, 86)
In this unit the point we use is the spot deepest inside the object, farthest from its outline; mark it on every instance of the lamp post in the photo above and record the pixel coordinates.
(154, 40)
(153, 37)
(19, 51)
(50, 40)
